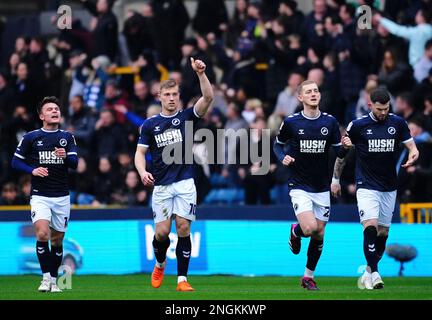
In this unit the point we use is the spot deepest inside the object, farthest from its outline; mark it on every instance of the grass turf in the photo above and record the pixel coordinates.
(133, 287)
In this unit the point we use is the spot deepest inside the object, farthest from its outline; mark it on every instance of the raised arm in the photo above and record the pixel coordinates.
(203, 103)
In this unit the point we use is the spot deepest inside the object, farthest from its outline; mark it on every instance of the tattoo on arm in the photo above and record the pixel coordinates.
(338, 167)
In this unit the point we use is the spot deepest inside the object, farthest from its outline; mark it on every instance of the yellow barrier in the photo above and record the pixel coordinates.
(164, 73)
(416, 212)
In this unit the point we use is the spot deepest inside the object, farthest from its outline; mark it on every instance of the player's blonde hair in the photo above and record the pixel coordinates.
(304, 83)
(167, 84)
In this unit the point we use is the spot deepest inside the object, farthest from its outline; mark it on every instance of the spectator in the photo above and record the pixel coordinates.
(105, 182)
(326, 103)
(417, 36)
(81, 182)
(394, 74)
(110, 137)
(115, 96)
(292, 19)
(258, 187)
(13, 130)
(22, 47)
(250, 109)
(37, 59)
(142, 99)
(131, 193)
(95, 82)
(81, 124)
(7, 98)
(211, 16)
(427, 113)
(25, 188)
(77, 38)
(347, 15)
(422, 90)
(26, 89)
(404, 106)
(287, 101)
(422, 67)
(170, 21)
(314, 21)
(139, 33)
(14, 61)
(190, 83)
(362, 106)
(415, 181)
(10, 196)
(76, 74)
(237, 23)
(104, 28)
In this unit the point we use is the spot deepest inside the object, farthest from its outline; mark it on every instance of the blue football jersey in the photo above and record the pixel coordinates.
(377, 147)
(309, 140)
(160, 131)
(36, 148)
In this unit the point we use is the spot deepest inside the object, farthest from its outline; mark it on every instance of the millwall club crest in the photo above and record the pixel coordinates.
(175, 122)
(295, 206)
(324, 131)
(391, 130)
(362, 213)
(63, 142)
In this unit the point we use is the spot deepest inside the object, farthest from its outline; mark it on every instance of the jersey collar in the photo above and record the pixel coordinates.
(165, 116)
(309, 118)
(372, 117)
(45, 130)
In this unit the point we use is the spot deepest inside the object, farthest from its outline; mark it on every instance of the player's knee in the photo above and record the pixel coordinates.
(42, 235)
(57, 241)
(318, 234)
(162, 234)
(309, 229)
(383, 232)
(183, 229)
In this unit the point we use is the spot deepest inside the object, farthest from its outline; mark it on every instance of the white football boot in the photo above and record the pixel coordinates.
(377, 282)
(366, 281)
(45, 285)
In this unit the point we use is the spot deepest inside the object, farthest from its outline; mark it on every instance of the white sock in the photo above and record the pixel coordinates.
(160, 265)
(368, 270)
(47, 276)
(308, 273)
(53, 280)
(181, 279)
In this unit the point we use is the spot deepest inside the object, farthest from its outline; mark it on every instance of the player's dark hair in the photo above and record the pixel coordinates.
(380, 95)
(428, 44)
(50, 99)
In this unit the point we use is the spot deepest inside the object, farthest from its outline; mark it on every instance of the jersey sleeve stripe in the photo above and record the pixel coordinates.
(195, 113)
(19, 156)
(337, 144)
(143, 145)
(408, 140)
(277, 140)
(69, 153)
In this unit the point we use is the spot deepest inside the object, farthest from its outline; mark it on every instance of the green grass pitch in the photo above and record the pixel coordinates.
(133, 287)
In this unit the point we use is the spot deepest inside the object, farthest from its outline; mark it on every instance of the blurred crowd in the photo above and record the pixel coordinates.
(255, 59)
